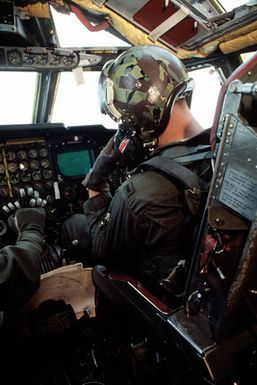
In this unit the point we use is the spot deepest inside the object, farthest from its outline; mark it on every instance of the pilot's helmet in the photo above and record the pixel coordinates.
(140, 86)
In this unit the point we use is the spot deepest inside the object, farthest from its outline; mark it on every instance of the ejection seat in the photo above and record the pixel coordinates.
(215, 325)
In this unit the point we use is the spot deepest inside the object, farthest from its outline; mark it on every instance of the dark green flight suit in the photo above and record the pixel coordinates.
(20, 263)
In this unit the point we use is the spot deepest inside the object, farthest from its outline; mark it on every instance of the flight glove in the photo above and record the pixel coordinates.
(30, 218)
(27, 211)
(97, 178)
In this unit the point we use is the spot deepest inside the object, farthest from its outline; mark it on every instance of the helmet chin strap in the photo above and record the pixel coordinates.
(150, 146)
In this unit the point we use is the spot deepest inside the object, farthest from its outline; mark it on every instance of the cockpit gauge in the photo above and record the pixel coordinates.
(43, 152)
(25, 177)
(10, 155)
(36, 175)
(42, 59)
(56, 61)
(47, 174)
(2, 181)
(2, 169)
(15, 179)
(34, 164)
(3, 192)
(22, 154)
(14, 57)
(12, 167)
(45, 163)
(68, 60)
(23, 166)
(32, 153)
(28, 58)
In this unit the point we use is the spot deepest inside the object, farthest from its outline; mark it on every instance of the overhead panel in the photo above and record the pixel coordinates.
(170, 23)
(191, 28)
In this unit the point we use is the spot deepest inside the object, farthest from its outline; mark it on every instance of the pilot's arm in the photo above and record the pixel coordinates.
(96, 180)
(20, 263)
(138, 231)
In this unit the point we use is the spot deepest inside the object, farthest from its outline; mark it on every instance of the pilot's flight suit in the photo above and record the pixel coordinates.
(140, 229)
(20, 263)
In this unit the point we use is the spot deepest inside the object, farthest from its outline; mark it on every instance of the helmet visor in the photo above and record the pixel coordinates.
(106, 93)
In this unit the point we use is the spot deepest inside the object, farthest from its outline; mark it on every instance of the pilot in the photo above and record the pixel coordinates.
(20, 263)
(140, 228)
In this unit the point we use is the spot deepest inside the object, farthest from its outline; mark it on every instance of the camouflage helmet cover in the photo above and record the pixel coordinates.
(140, 87)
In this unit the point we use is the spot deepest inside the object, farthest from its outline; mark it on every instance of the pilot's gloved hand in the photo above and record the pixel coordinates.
(28, 209)
(30, 218)
(105, 163)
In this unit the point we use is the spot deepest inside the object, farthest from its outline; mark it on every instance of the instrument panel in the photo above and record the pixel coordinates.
(52, 160)
(40, 58)
(26, 163)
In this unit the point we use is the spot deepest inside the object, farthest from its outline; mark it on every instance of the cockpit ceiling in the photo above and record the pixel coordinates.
(183, 26)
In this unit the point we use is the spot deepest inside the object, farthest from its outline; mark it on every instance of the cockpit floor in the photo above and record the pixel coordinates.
(82, 354)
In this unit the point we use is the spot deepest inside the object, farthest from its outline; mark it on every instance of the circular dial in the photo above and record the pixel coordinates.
(42, 59)
(43, 152)
(44, 163)
(3, 181)
(23, 166)
(32, 153)
(34, 164)
(12, 167)
(47, 174)
(29, 58)
(3, 191)
(25, 177)
(15, 179)
(36, 175)
(10, 155)
(68, 60)
(14, 57)
(56, 60)
(21, 154)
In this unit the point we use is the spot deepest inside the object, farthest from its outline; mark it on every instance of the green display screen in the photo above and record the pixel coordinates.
(74, 163)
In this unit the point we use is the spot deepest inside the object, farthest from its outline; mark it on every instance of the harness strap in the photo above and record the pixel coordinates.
(178, 151)
(176, 170)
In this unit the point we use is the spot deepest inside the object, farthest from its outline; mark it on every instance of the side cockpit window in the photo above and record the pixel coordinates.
(17, 96)
(205, 94)
(77, 103)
